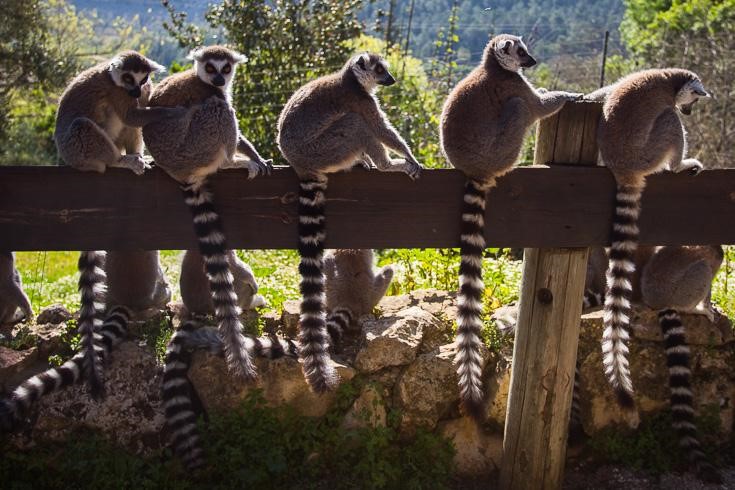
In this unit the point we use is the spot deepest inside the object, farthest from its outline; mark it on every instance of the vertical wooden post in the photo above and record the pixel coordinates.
(545, 351)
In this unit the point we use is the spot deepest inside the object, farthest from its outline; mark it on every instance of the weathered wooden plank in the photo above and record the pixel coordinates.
(57, 208)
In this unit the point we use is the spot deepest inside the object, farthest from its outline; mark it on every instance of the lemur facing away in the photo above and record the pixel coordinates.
(482, 127)
(679, 280)
(192, 148)
(135, 280)
(332, 124)
(12, 296)
(18, 404)
(640, 133)
(194, 284)
(353, 288)
(178, 393)
(100, 115)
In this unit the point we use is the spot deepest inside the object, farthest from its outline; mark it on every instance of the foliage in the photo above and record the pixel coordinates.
(256, 446)
(696, 35)
(654, 445)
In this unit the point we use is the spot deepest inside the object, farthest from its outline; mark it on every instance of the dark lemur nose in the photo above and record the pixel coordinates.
(388, 80)
(529, 62)
(218, 80)
(134, 92)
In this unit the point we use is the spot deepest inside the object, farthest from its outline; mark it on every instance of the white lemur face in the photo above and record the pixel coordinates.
(689, 94)
(371, 70)
(217, 72)
(131, 71)
(512, 54)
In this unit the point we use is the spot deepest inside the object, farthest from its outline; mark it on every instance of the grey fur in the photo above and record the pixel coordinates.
(352, 282)
(12, 296)
(135, 280)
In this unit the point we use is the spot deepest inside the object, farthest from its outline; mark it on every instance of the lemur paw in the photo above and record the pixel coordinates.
(542, 90)
(692, 166)
(135, 162)
(258, 168)
(414, 169)
(574, 96)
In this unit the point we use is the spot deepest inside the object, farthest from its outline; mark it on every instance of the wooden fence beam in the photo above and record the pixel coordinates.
(547, 334)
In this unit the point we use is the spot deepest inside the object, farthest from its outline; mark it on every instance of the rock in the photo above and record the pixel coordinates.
(54, 314)
(271, 322)
(130, 413)
(367, 411)
(290, 318)
(497, 385)
(393, 340)
(281, 381)
(427, 391)
(49, 338)
(699, 330)
(477, 452)
(13, 362)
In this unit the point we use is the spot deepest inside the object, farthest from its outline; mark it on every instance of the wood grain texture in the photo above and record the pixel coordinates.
(58, 208)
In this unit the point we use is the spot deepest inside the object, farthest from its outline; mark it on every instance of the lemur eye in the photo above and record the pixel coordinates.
(128, 78)
(227, 69)
(209, 68)
(144, 80)
(379, 70)
(521, 52)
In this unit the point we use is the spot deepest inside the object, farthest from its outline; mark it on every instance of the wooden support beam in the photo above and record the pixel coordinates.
(547, 334)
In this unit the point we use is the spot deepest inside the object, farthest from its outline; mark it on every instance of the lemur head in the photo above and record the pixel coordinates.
(371, 70)
(511, 52)
(689, 94)
(131, 71)
(215, 65)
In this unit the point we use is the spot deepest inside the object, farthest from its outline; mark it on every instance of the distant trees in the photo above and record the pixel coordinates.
(698, 35)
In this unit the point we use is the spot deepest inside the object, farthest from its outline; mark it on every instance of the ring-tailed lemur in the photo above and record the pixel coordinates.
(12, 296)
(135, 279)
(100, 115)
(20, 401)
(640, 133)
(328, 125)
(178, 393)
(482, 127)
(353, 288)
(679, 280)
(192, 148)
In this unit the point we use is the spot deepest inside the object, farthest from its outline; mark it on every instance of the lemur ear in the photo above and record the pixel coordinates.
(116, 63)
(505, 47)
(363, 60)
(239, 57)
(155, 67)
(194, 54)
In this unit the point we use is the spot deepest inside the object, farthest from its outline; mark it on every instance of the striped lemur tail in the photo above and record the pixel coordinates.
(682, 407)
(620, 291)
(313, 336)
(20, 401)
(212, 246)
(471, 288)
(92, 288)
(178, 393)
(337, 323)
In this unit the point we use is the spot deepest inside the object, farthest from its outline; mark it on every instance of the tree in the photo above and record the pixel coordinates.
(696, 35)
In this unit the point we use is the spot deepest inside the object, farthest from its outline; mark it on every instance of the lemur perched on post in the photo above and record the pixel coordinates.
(332, 124)
(100, 115)
(192, 148)
(640, 133)
(482, 127)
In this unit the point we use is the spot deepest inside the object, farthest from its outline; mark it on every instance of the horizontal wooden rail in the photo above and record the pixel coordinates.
(58, 208)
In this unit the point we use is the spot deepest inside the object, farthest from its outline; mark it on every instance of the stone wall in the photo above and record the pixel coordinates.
(403, 360)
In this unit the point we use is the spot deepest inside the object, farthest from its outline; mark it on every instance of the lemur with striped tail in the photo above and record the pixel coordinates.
(178, 394)
(192, 148)
(353, 288)
(20, 401)
(640, 133)
(99, 117)
(331, 124)
(679, 280)
(482, 127)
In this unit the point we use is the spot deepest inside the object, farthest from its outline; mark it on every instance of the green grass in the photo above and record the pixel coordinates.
(254, 446)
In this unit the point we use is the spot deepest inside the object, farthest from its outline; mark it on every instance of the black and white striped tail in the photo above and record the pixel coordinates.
(92, 288)
(178, 392)
(212, 246)
(591, 299)
(620, 291)
(20, 401)
(313, 336)
(682, 406)
(575, 415)
(337, 323)
(469, 315)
